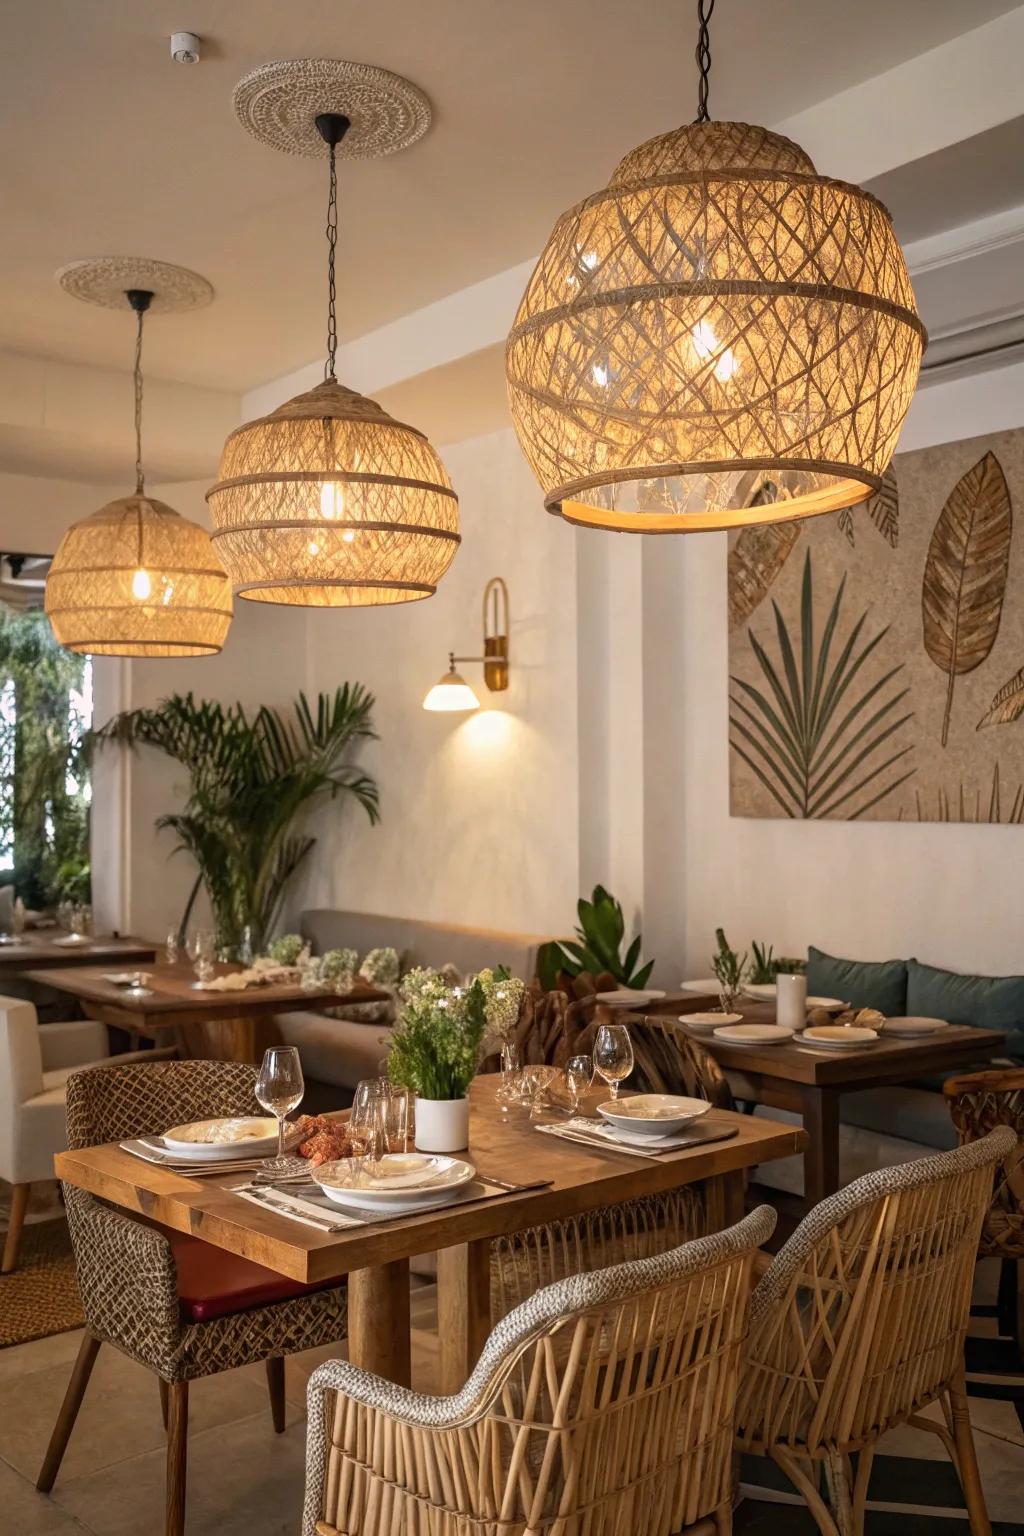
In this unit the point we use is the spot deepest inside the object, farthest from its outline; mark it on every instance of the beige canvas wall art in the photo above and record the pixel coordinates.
(876, 656)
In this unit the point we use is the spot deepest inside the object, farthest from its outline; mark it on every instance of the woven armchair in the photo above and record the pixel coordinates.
(602, 1404)
(668, 1060)
(858, 1324)
(978, 1102)
(131, 1273)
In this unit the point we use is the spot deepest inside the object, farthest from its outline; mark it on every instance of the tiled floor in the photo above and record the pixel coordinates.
(246, 1481)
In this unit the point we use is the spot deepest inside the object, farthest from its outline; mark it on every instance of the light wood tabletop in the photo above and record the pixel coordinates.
(811, 1082)
(48, 949)
(375, 1256)
(204, 1022)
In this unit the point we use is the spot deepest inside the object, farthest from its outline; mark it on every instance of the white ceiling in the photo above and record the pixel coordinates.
(109, 148)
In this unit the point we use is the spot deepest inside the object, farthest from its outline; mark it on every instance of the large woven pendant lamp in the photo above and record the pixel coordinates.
(720, 337)
(329, 502)
(136, 578)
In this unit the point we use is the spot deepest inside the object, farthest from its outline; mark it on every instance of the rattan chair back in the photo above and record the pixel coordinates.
(978, 1103)
(121, 1102)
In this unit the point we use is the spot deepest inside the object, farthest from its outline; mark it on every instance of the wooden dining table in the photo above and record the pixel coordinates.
(811, 1082)
(375, 1257)
(225, 1026)
(49, 949)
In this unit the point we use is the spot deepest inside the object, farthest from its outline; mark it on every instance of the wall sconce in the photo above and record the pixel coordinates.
(451, 692)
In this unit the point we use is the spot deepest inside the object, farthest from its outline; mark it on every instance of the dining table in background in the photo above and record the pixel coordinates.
(47, 949)
(222, 1026)
(375, 1257)
(812, 1082)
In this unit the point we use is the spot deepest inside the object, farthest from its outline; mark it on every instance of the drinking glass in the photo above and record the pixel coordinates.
(395, 1106)
(511, 1074)
(171, 946)
(366, 1125)
(613, 1055)
(279, 1088)
(579, 1075)
(200, 952)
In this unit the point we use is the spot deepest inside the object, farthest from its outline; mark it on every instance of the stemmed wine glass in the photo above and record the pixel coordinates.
(279, 1088)
(200, 952)
(613, 1055)
(579, 1075)
(171, 946)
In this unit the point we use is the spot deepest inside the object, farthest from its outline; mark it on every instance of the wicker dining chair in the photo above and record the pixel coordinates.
(604, 1404)
(978, 1102)
(858, 1324)
(669, 1060)
(177, 1305)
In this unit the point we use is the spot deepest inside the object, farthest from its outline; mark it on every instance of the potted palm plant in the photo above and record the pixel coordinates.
(251, 779)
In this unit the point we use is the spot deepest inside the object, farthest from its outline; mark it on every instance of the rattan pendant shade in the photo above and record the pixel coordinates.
(137, 579)
(720, 337)
(330, 502)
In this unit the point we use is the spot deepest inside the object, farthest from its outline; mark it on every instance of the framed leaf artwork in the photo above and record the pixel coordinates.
(876, 657)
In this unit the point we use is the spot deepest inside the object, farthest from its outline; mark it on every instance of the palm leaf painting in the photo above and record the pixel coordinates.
(755, 560)
(965, 574)
(1008, 704)
(821, 732)
(969, 804)
(883, 508)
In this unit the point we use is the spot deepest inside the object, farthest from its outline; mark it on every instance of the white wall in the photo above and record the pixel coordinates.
(948, 894)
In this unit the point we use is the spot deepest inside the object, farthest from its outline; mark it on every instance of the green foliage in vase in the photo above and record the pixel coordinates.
(597, 946)
(762, 967)
(44, 807)
(819, 735)
(435, 1047)
(251, 779)
(729, 968)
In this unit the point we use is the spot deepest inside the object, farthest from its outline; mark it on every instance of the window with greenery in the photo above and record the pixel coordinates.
(45, 709)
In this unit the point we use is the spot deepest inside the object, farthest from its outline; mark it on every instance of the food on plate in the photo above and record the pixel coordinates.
(214, 1132)
(324, 1140)
(861, 1018)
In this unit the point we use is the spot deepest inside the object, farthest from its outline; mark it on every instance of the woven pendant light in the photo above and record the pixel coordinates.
(328, 501)
(720, 337)
(135, 578)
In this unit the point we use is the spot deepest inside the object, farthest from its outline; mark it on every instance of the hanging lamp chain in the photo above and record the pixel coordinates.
(332, 246)
(139, 300)
(704, 12)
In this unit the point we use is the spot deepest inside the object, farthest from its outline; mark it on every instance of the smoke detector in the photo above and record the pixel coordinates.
(185, 47)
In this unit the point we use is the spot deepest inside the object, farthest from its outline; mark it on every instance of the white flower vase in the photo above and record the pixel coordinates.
(442, 1125)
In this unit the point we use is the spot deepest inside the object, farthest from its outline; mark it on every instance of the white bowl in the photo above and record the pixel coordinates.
(191, 1142)
(914, 1025)
(839, 1037)
(754, 1034)
(708, 985)
(707, 1023)
(628, 997)
(761, 991)
(652, 1114)
(398, 1180)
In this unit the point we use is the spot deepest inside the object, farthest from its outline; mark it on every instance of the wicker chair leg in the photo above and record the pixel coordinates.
(840, 1491)
(967, 1461)
(805, 1487)
(163, 1401)
(275, 1386)
(87, 1352)
(177, 1456)
(860, 1486)
(1019, 1317)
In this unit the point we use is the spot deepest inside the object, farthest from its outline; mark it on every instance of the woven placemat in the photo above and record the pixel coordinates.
(41, 1296)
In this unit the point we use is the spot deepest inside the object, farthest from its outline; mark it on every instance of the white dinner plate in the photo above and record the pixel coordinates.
(257, 1138)
(754, 1034)
(652, 1114)
(628, 997)
(134, 979)
(839, 1037)
(913, 1025)
(73, 940)
(708, 985)
(830, 1004)
(760, 991)
(706, 1023)
(399, 1179)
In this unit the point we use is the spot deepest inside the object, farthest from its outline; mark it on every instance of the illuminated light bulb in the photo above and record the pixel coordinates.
(451, 694)
(600, 375)
(313, 547)
(141, 585)
(348, 535)
(168, 592)
(332, 500)
(705, 344)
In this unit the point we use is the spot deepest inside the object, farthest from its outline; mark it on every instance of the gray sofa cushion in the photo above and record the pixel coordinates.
(880, 984)
(436, 944)
(339, 1052)
(915, 1114)
(983, 1002)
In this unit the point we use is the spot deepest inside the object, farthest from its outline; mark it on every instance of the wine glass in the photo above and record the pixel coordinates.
(279, 1088)
(613, 1055)
(579, 1075)
(201, 952)
(366, 1125)
(395, 1106)
(171, 946)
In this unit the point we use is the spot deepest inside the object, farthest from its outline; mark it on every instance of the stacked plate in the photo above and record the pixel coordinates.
(914, 1026)
(707, 1023)
(754, 1034)
(628, 997)
(400, 1183)
(839, 1037)
(224, 1140)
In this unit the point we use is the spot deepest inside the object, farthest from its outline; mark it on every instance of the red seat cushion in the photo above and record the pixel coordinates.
(213, 1283)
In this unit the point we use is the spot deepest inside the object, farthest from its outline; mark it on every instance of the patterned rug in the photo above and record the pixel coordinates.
(41, 1296)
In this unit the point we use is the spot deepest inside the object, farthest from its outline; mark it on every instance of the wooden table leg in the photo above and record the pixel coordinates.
(218, 1039)
(821, 1158)
(463, 1310)
(725, 1199)
(378, 1320)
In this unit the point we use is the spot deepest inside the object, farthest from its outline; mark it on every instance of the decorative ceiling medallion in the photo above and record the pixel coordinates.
(107, 280)
(278, 104)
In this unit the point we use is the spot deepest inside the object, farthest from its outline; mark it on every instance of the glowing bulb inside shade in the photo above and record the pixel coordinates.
(705, 344)
(141, 585)
(600, 375)
(313, 547)
(348, 536)
(332, 500)
(451, 693)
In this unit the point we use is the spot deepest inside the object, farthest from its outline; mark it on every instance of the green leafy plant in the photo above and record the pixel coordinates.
(597, 947)
(814, 740)
(762, 967)
(435, 1047)
(251, 778)
(730, 970)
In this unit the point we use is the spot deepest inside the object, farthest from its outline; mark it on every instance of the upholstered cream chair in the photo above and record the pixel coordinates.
(602, 1404)
(858, 1324)
(35, 1063)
